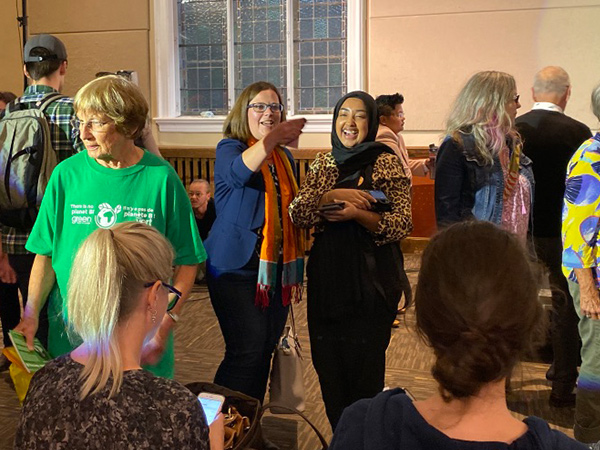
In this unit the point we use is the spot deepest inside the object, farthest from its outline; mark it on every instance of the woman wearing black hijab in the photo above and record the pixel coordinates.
(355, 269)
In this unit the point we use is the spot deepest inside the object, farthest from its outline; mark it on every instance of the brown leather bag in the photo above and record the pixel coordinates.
(235, 426)
(243, 425)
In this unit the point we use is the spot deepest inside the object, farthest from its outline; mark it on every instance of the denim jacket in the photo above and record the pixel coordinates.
(466, 188)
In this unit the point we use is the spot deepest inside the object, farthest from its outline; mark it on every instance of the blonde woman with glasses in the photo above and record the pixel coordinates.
(98, 396)
(481, 171)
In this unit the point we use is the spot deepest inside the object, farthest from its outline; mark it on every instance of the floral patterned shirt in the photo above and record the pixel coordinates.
(148, 412)
(581, 211)
(388, 177)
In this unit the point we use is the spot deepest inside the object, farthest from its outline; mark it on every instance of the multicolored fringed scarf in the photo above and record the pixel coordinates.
(280, 233)
(511, 174)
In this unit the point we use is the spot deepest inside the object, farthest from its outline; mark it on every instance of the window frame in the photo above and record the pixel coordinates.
(168, 118)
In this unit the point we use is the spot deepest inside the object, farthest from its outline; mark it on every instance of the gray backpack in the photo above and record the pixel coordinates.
(27, 160)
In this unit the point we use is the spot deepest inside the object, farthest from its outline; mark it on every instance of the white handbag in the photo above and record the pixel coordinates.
(287, 372)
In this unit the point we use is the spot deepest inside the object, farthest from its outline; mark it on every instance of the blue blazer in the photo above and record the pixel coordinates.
(240, 203)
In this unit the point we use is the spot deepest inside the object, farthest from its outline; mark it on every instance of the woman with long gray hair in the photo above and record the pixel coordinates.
(481, 171)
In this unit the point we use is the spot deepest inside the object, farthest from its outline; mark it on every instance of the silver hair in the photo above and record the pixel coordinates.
(596, 101)
(551, 79)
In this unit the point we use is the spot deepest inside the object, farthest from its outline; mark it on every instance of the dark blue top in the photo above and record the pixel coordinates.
(240, 202)
(391, 422)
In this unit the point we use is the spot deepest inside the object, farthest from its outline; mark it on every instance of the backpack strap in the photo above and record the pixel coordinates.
(41, 104)
(45, 101)
(12, 107)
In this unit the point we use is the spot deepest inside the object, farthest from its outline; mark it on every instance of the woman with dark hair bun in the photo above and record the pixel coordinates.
(472, 276)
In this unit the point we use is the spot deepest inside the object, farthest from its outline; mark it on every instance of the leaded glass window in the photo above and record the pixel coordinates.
(203, 55)
(224, 45)
(259, 43)
(320, 50)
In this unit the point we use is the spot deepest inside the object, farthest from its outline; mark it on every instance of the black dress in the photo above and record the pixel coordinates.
(354, 286)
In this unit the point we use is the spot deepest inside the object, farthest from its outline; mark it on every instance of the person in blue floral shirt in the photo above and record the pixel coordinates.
(581, 260)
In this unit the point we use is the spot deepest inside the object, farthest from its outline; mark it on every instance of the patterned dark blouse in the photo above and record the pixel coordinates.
(147, 413)
(388, 176)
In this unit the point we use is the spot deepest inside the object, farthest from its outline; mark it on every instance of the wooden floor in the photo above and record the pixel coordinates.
(199, 349)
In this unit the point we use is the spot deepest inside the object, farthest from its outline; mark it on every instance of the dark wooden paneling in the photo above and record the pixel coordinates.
(199, 162)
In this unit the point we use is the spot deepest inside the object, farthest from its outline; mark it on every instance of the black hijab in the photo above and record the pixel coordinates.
(350, 160)
(370, 280)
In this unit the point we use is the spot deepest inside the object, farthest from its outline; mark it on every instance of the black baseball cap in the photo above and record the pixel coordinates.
(51, 43)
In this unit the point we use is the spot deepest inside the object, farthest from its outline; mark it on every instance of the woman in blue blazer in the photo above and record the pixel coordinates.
(255, 254)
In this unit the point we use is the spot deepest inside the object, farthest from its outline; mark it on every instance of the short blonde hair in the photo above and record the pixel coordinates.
(236, 124)
(117, 98)
(201, 181)
(108, 276)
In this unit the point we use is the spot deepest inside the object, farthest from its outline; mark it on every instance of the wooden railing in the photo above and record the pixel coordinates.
(199, 162)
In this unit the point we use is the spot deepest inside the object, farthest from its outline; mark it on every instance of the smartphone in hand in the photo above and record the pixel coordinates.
(335, 206)
(382, 203)
(379, 196)
(211, 404)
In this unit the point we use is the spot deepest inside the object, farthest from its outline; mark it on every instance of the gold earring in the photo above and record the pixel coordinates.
(153, 315)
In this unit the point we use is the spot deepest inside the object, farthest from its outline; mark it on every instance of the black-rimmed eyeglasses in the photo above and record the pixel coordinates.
(262, 107)
(169, 288)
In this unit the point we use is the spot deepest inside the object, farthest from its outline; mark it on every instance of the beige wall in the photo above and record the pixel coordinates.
(11, 74)
(428, 49)
(99, 36)
(425, 49)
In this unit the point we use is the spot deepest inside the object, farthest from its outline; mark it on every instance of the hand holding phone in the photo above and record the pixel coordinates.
(211, 404)
(335, 206)
(379, 196)
(382, 203)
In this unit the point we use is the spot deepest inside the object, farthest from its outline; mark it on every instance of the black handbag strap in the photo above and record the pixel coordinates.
(278, 405)
(293, 319)
(293, 329)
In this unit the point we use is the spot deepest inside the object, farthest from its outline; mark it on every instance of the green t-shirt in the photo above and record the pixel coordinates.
(83, 196)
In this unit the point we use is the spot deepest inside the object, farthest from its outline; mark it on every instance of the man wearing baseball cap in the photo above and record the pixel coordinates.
(45, 65)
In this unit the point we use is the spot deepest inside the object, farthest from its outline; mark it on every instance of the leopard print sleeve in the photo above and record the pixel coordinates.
(389, 177)
(320, 178)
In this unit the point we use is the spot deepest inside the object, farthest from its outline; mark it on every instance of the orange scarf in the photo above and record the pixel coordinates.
(278, 234)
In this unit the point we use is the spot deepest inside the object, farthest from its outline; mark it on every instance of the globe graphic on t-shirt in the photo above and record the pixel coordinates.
(105, 218)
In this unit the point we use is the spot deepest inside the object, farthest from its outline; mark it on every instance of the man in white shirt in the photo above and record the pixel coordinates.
(550, 138)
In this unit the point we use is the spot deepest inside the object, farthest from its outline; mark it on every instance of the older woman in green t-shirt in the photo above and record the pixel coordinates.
(113, 181)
